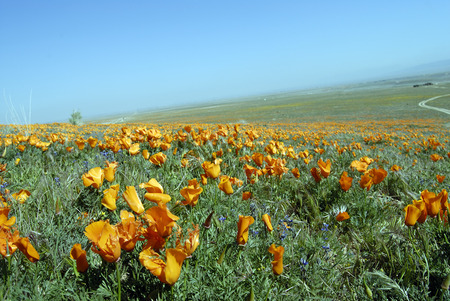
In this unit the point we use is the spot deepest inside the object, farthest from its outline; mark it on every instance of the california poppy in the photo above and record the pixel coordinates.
(191, 242)
(134, 149)
(110, 170)
(342, 216)
(131, 197)
(24, 245)
(94, 177)
(160, 219)
(345, 181)
(277, 263)
(412, 215)
(105, 240)
(152, 186)
(436, 157)
(128, 230)
(158, 158)
(243, 226)
(267, 221)
(225, 184)
(258, 158)
(316, 174)
(21, 196)
(167, 272)
(325, 167)
(212, 170)
(296, 172)
(110, 197)
(191, 193)
(78, 254)
(440, 178)
(246, 195)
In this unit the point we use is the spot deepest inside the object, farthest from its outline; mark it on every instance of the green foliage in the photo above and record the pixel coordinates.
(324, 259)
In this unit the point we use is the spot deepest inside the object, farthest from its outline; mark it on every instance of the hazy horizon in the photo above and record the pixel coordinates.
(103, 58)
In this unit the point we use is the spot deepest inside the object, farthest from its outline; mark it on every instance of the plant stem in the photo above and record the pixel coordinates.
(119, 289)
(270, 288)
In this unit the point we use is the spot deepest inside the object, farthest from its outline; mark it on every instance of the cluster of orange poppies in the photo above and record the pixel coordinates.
(430, 204)
(10, 240)
(152, 226)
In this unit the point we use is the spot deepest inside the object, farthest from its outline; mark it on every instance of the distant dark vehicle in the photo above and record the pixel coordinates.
(425, 84)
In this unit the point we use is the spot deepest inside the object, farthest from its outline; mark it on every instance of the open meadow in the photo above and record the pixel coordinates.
(338, 194)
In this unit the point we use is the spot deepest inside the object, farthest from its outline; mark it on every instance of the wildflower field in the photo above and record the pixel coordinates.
(352, 210)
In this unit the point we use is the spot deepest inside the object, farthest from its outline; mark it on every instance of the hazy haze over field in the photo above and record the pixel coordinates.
(106, 57)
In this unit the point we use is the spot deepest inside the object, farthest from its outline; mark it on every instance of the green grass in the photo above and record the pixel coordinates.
(381, 100)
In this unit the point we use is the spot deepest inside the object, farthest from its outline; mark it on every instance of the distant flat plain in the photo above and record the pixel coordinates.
(389, 99)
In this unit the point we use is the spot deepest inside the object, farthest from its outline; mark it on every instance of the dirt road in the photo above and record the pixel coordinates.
(424, 105)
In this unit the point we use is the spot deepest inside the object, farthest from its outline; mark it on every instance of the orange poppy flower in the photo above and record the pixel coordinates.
(4, 221)
(440, 178)
(80, 144)
(131, 197)
(316, 174)
(167, 272)
(277, 263)
(423, 209)
(191, 193)
(78, 254)
(191, 243)
(24, 245)
(212, 170)
(204, 178)
(435, 157)
(128, 230)
(267, 221)
(158, 198)
(325, 167)
(152, 186)
(105, 240)
(412, 215)
(110, 171)
(225, 184)
(434, 202)
(258, 158)
(296, 172)
(94, 178)
(243, 226)
(21, 147)
(153, 239)
(8, 241)
(246, 195)
(184, 162)
(160, 220)
(345, 181)
(158, 158)
(92, 141)
(21, 196)
(110, 197)
(395, 168)
(134, 149)
(342, 216)
(145, 154)
(378, 175)
(359, 166)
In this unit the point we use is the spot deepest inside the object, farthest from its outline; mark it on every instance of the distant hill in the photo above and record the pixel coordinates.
(429, 68)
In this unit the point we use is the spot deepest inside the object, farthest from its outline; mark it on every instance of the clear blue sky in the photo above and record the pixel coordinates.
(104, 57)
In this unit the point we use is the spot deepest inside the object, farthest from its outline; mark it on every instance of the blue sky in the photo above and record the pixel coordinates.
(105, 57)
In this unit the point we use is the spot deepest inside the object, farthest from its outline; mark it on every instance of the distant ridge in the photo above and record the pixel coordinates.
(429, 68)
